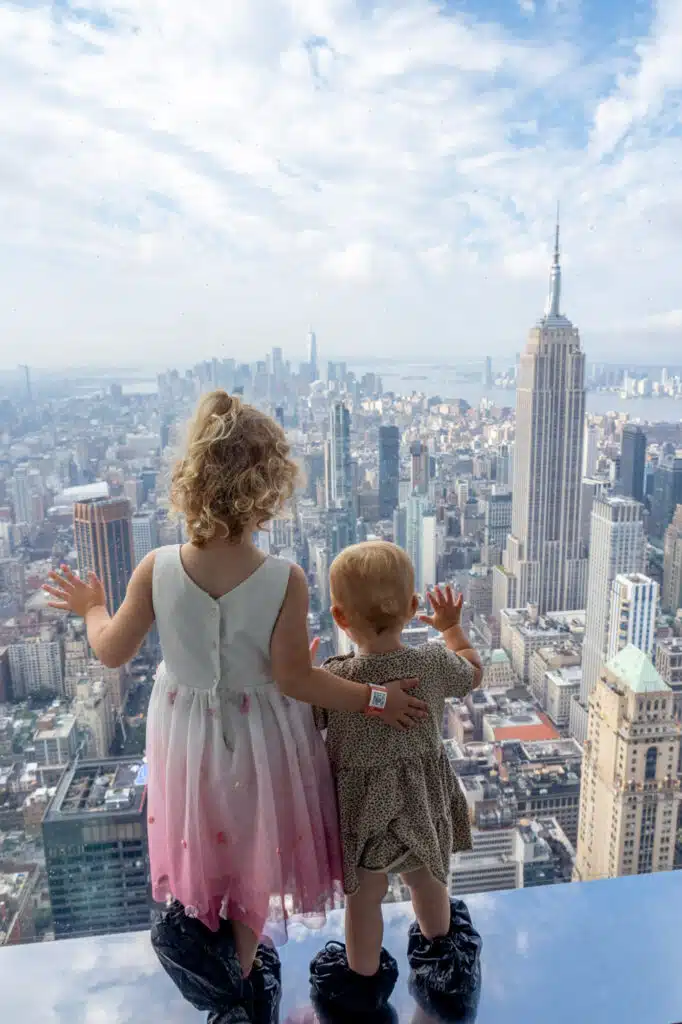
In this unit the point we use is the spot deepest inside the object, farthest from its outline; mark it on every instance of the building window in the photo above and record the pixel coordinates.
(650, 767)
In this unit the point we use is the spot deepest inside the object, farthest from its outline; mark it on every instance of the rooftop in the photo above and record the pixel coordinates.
(96, 787)
(633, 667)
(571, 971)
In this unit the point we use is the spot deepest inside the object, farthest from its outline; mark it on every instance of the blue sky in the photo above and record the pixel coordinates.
(180, 180)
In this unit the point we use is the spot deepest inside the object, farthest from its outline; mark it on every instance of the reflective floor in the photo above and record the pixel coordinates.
(584, 954)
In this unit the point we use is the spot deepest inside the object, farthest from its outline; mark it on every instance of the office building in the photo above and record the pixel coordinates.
(95, 840)
(557, 654)
(632, 462)
(523, 631)
(632, 618)
(591, 489)
(104, 544)
(35, 665)
(630, 793)
(13, 581)
(95, 716)
(389, 471)
(669, 666)
(543, 559)
(562, 686)
(313, 359)
(145, 534)
(667, 495)
(339, 480)
(55, 740)
(414, 513)
(497, 513)
(420, 464)
(617, 545)
(488, 373)
(672, 564)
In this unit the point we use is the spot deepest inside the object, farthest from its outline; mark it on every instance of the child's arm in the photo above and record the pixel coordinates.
(446, 617)
(296, 677)
(114, 640)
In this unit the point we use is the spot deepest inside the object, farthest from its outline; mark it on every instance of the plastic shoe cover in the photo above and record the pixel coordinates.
(203, 964)
(446, 971)
(335, 988)
(264, 987)
(237, 1015)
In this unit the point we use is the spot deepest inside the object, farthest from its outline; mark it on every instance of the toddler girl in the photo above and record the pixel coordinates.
(401, 809)
(242, 819)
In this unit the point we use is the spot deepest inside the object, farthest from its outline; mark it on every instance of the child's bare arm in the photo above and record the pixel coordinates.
(296, 677)
(114, 640)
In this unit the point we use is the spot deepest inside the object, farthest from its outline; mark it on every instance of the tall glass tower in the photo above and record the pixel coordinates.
(104, 544)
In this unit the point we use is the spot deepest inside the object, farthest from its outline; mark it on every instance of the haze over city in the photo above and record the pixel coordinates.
(214, 182)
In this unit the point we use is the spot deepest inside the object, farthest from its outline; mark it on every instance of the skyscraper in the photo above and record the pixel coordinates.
(497, 511)
(629, 792)
(617, 545)
(420, 465)
(389, 470)
(667, 495)
(145, 534)
(313, 361)
(543, 561)
(414, 515)
(632, 618)
(488, 373)
(672, 564)
(104, 544)
(632, 462)
(339, 470)
(95, 840)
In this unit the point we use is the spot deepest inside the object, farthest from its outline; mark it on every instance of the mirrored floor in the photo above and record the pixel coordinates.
(565, 954)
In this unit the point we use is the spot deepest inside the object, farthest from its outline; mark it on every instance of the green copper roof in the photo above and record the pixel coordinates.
(499, 657)
(637, 670)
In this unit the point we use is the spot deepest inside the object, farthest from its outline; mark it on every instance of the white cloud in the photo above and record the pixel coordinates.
(527, 7)
(178, 178)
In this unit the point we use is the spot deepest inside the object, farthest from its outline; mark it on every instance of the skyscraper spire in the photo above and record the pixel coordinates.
(553, 308)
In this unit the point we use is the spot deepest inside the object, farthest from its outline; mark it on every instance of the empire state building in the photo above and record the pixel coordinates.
(543, 562)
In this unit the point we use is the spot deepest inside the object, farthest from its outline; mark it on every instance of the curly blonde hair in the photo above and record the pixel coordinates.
(235, 471)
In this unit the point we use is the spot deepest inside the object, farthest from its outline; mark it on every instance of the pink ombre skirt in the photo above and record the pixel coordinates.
(242, 818)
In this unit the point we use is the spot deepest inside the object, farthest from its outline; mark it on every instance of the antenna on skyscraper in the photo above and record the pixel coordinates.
(553, 307)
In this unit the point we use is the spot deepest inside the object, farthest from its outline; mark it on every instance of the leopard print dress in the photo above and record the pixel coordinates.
(400, 805)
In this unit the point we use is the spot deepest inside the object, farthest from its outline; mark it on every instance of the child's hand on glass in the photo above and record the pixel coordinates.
(72, 594)
(446, 608)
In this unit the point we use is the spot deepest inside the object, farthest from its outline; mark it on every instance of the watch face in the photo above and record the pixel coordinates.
(378, 699)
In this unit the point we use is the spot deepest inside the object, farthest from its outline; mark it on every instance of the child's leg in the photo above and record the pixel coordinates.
(431, 902)
(365, 924)
(246, 944)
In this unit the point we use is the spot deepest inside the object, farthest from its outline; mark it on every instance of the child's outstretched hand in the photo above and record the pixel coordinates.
(447, 610)
(72, 594)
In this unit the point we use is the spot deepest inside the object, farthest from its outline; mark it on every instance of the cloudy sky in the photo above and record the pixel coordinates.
(179, 180)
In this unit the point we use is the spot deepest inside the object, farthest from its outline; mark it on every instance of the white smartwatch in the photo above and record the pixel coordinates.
(378, 695)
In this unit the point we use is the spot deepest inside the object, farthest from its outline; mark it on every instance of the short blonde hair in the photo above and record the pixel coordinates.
(373, 582)
(235, 471)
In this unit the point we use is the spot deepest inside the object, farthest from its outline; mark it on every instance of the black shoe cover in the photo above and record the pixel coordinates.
(203, 964)
(265, 985)
(336, 990)
(446, 972)
(237, 1015)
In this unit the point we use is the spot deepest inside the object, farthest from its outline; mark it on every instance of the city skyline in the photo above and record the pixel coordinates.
(330, 170)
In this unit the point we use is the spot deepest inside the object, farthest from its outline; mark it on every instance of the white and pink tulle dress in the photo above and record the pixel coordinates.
(242, 809)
